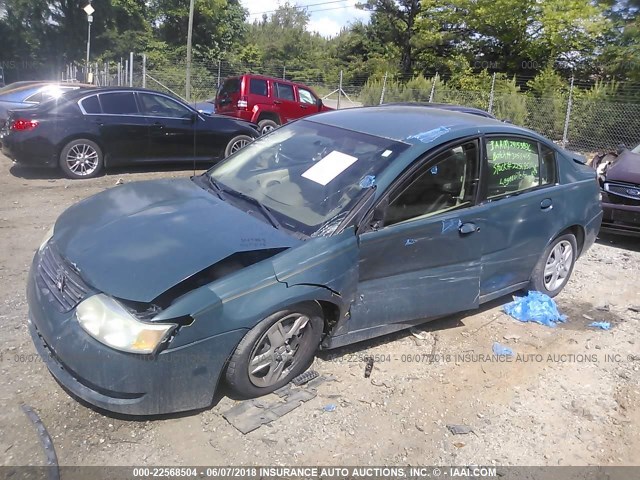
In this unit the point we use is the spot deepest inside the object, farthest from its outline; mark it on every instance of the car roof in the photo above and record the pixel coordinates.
(264, 77)
(446, 106)
(401, 122)
(24, 91)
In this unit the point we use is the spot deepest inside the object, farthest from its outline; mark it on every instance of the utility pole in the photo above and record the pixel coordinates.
(189, 39)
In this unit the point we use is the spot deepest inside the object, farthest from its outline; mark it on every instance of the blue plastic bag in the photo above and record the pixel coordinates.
(601, 325)
(500, 350)
(535, 307)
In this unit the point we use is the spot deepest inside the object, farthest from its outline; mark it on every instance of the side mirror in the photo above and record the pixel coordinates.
(319, 103)
(377, 220)
(194, 117)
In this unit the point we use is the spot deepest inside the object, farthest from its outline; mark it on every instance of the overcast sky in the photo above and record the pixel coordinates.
(326, 19)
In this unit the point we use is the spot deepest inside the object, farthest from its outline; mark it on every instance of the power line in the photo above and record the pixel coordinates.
(304, 6)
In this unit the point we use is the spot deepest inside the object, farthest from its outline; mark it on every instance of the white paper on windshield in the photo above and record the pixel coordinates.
(329, 167)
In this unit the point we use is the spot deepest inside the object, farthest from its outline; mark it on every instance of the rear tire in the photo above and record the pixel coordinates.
(81, 158)
(266, 126)
(236, 144)
(554, 268)
(277, 349)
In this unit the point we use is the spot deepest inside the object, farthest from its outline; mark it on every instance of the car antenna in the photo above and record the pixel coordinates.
(194, 144)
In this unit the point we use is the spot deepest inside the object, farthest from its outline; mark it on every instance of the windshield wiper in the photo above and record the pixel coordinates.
(263, 208)
(216, 187)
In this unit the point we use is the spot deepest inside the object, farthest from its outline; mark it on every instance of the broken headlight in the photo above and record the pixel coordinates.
(109, 322)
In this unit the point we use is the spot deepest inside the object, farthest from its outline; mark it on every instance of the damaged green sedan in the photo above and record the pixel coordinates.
(330, 230)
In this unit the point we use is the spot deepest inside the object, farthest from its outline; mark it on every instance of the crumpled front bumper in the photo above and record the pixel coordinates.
(618, 218)
(175, 380)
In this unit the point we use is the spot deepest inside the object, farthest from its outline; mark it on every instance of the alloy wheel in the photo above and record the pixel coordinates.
(277, 351)
(82, 159)
(238, 145)
(558, 265)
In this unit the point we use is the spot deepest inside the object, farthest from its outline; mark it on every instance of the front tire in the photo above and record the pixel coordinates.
(554, 268)
(236, 144)
(279, 348)
(81, 158)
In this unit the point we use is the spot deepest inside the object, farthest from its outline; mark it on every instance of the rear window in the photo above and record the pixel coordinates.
(258, 87)
(230, 85)
(91, 104)
(285, 91)
(119, 103)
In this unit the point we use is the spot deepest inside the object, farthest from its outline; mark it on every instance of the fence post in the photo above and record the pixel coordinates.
(433, 87)
(144, 70)
(219, 69)
(339, 91)
(565, 134)
(493, 86)
(284, 72)
(130, 69)
(384, 88)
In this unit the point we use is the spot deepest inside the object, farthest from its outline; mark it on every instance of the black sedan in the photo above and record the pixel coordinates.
(86, 131)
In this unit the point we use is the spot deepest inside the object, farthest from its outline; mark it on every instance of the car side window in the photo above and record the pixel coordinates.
(91, 104)
(258, 86)
(159, 106)
(447, 182)
(515, 164)
(306, 96)
(120, 103)
(285, 92)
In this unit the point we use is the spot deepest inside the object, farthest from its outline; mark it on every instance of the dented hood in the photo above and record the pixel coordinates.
(626, 168)
(138, 240)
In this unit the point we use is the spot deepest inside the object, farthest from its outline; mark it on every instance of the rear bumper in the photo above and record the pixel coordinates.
(28, 153)
(623, 219)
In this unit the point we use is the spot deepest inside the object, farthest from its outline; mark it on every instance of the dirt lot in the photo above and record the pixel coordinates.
(571, 397)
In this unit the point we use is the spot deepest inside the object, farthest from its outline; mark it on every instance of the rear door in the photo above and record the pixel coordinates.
(123, 130)
(285, 102)
(171, 128)
(520, 177)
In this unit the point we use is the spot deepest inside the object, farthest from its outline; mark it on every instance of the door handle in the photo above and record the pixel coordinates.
(303, 106)
(468, 228)
(98, 121)
(277, 102)
(546, 204)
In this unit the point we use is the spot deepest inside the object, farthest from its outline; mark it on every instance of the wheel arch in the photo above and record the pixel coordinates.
(269, 116)
(577, 231)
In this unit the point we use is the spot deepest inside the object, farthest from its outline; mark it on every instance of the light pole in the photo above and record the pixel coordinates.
(89, 11)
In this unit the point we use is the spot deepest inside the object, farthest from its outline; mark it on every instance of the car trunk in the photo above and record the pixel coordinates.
(228, 95)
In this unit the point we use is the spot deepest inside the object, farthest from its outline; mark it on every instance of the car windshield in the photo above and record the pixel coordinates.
(307, 174)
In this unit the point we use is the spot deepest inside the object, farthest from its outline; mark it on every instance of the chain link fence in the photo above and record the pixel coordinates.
(567, 118)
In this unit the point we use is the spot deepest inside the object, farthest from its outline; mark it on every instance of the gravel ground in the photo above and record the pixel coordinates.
(571, 396)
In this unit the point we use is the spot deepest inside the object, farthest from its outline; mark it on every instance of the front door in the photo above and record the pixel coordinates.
(171, 128)
(425, 259)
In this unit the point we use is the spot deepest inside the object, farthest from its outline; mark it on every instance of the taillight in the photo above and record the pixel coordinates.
(23, 125)
(243, 102)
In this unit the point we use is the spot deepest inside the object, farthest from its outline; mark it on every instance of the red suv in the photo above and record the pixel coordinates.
(267, 101)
